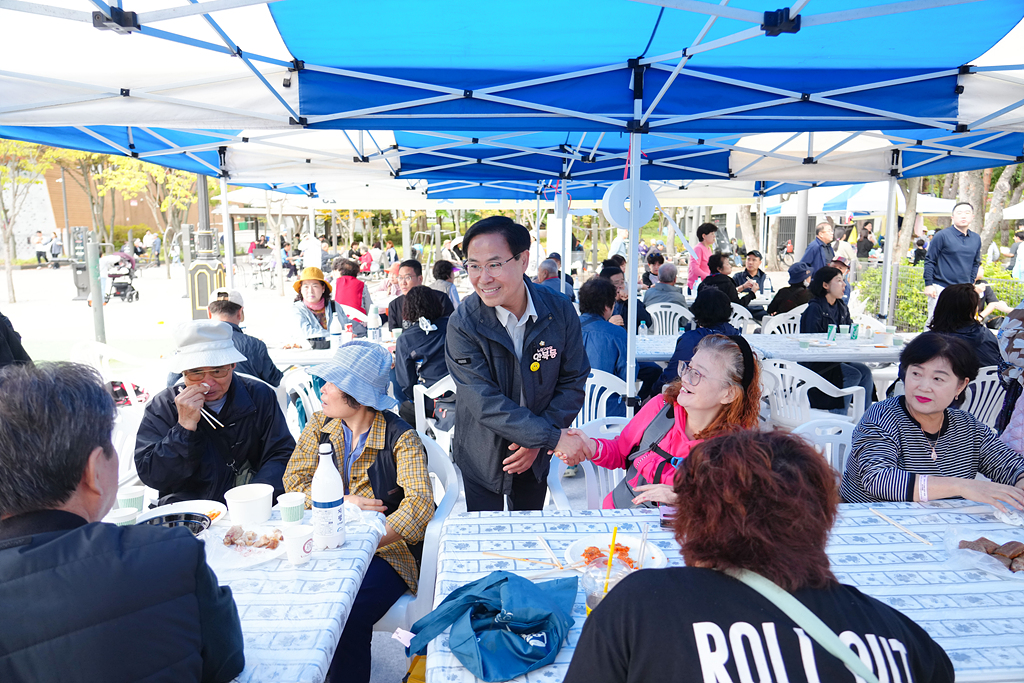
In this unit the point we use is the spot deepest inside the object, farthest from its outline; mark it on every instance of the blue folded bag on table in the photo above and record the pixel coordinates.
(502, 625)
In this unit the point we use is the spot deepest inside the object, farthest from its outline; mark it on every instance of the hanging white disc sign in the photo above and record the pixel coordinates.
(614, 204)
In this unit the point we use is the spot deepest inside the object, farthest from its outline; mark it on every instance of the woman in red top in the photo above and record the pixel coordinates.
(704, 249)
(718, 391)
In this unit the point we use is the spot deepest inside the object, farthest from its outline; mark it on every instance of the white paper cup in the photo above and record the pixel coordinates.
(122, 516)
(292, 507)
(298, 541)
(131, 497)
(250, 504)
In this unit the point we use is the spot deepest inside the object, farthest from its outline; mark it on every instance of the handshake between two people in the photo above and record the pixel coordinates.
(573, 447)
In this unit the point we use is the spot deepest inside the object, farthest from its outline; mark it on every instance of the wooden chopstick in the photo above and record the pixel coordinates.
(205, 416)
(210, 416)
(550, 552)
(902, 528)
(523, 559)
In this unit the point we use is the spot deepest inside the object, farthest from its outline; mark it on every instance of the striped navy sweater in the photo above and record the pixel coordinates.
(889, 449)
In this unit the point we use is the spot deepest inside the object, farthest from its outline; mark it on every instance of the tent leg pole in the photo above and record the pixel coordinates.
(890, 247)
(229, 234)
(536, 234)
(631, 270)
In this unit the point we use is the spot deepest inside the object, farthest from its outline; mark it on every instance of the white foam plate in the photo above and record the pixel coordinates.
(654, 557)
(203, 507)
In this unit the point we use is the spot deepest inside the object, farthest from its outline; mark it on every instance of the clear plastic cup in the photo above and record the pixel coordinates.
(594, 580)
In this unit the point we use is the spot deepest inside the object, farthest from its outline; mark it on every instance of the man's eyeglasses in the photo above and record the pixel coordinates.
(493, 268)
(692, 374)
(198, 374)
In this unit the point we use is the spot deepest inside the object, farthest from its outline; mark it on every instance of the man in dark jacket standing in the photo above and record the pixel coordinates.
(88, 601)
(217, 431)
(516, 354)
(819, 252)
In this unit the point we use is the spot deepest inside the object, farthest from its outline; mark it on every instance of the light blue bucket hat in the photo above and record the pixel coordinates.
(360, 369)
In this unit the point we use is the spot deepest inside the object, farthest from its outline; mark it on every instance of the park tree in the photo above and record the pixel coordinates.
(22, 165)
(83, 168)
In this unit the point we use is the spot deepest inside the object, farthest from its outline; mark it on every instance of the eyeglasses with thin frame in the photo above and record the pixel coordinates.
(198, 374)
(493, 268)
(693, 375)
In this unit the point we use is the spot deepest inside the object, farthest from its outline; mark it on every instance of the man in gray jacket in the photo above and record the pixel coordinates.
(516, 354)
(664, 290)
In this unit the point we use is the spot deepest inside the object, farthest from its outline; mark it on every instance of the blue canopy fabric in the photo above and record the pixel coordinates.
(518, 68)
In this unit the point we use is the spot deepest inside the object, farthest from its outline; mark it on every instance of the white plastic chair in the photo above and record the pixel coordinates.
(666, 317)
(784, 323)
(424, 421)
(831, 438)
(985, 396)
(600, 387)
(298, 387)
(353, 313)
(599, 480)
(788, 400)
(411, 608)
(743, 320)
(115, 365)
(126, 429)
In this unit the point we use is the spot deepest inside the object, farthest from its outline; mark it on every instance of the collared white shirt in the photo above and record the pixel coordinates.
(517, 328)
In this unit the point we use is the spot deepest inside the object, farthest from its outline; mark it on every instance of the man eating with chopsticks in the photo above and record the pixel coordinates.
(215, 430)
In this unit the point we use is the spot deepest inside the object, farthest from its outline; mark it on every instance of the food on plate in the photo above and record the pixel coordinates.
(1011, 554)
(292, 346)
(621, 552)
(238, 536)
(213, 515)
(1011, 550)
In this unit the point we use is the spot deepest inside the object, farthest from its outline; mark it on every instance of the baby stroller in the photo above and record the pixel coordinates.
(122, 275)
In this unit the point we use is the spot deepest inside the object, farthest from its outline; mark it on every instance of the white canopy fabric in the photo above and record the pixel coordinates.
(871, 200)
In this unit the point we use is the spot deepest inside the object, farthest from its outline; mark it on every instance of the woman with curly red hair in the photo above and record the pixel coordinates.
(748, 502)
(717, 391)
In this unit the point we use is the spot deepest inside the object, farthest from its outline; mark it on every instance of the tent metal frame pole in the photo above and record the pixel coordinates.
(536, 231)
(631, 270)
(229, 234)
(891, 237)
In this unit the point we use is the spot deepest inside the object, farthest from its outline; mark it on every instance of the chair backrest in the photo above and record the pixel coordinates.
(126, 428)
(599, 481)
(784, 323)
(444, 475)
(279, 391)
(148, 373)
(298, 386)
(423, 421)
(600, 387)
(787, 393)
(666, 317)
(353, 313)
(742, 319)
(985, 396)
(831, 438)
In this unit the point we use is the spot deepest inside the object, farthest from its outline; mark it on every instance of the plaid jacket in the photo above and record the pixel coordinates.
(411, 517)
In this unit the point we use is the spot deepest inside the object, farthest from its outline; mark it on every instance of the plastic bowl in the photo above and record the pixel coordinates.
(250, 504)
(193, 521)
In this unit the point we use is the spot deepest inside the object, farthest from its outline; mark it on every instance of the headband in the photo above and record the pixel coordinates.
(748, 360)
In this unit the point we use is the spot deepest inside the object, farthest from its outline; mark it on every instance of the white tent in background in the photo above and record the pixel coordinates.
(870, 199)
(1014, 213)
(816, 198)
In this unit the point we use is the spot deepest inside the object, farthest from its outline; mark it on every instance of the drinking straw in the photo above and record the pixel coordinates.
(643, 545)
(611, 554)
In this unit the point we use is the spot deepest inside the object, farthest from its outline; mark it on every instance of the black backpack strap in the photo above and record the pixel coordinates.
(654, 433)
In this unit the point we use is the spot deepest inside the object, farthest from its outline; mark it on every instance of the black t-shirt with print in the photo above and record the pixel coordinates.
(686, 624)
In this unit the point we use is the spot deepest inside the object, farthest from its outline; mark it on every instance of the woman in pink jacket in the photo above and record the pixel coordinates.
(719, 390)
(705, 248)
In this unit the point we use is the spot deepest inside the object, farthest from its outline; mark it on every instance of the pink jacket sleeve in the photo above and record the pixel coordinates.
(699, 268)
(611, 453)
